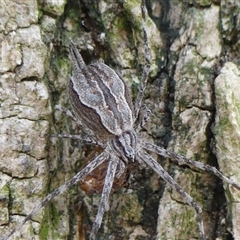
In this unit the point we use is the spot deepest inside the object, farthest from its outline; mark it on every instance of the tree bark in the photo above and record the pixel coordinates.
(193, 92)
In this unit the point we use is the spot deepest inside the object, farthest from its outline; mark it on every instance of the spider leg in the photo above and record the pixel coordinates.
(182, 160)
(146, 68)
(79, 123)
(84, 139)
(68, 113)
(144, 115)
(121, 170)
(166, 177)
(112, 166)
(89, 168)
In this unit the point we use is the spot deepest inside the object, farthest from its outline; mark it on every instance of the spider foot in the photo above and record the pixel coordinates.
(94, 231)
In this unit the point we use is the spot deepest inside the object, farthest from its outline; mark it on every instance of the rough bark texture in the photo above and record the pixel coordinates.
(193, 92)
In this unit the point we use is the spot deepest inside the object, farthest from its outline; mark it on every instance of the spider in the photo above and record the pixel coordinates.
(102, 106)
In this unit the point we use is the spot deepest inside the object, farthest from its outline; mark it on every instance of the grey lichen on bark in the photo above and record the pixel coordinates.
(227, 135)
(191, 117)
(188, 41)
(25, 115)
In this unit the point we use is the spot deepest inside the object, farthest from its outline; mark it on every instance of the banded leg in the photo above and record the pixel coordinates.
(146, 68)
(144, 115)
(85, 139)
(113, 162)
(89, 168)
(182, 160)
(167, 178)
(68, 113)
(79, 123)
(121, 170)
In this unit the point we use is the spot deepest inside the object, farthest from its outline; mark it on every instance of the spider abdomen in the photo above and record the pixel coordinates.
(100, 98)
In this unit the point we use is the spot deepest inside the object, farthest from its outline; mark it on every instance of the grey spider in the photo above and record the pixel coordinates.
(102, 106)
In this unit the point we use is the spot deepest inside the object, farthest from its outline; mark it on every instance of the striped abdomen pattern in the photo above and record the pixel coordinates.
(100, 98)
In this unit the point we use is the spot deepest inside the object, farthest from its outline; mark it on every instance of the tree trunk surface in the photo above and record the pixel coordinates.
(193, 92)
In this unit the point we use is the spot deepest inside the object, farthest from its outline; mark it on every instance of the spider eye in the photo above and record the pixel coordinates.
(125, 145)
(129, 152)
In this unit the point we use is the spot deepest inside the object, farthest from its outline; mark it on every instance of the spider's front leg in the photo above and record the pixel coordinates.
(195, 164)
(192, 164)
(80, 175)
(153, 164)
(112, 166)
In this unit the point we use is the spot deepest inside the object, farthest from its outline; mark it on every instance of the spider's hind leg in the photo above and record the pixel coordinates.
(84, 139)
(68, 113)
(146, 68)
(89, 139)
(144, 115)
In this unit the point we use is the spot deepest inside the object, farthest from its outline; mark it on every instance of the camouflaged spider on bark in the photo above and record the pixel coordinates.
(102, 106)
